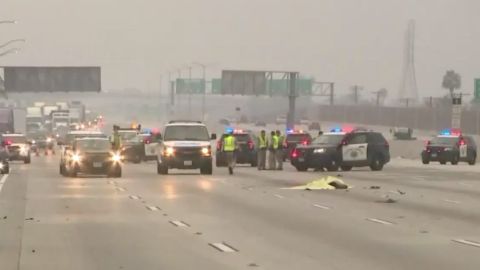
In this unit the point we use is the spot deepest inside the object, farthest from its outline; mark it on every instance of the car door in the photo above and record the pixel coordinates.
(471, 147)
(355, 149)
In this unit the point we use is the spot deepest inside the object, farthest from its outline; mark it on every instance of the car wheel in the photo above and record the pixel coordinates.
(443, 162)
(162, 169)
(27, 160)
(301, 168)
(73, 173)
(425, 161)
(376, 164)
(254, 163)
(346, 168)
(472, 161)
(6, 168)
(208, 170)
(333, 166)
(62, 170)
(118, 172)
(137, 159)
(455, 160)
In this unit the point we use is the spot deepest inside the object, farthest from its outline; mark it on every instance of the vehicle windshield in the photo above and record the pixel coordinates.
(128, 135)
(93, 145)
(15, 139)
(72, 137)
(186, 133)
(328, 139)
(297, 137)
(444, 140)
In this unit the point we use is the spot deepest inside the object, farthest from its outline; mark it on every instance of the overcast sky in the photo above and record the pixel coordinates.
(345, 41)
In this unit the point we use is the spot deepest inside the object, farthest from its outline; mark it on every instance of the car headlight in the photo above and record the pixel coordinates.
(49, 140)
(23, 149)
(169, 151)
(1, 165)
(76, 158)
(116, 158)
(319, 150)
(33, 141)
(205, 151)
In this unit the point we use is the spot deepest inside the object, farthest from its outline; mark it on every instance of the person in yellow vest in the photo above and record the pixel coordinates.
(279, 152)
(262, 150)
(272, 149)
(228, 147)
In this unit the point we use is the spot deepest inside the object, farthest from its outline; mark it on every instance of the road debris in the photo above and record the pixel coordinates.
(324, 183)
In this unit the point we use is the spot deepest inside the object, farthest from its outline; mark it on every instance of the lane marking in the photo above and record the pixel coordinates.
(223, 247)
(467, 242)
(451, 201)
(322, 206)
(153, 208)
(120, 189)
(179, 223)
(2, 181)
(465, 184)
(279, 196)
(376, 220)
(134, 197)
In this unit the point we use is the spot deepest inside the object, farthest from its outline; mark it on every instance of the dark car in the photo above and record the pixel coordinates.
(93, 156)
(246, 153)
(293, 139)
(343, 150)
(451, 148)
(402, 133)
(133, 148)
(68, 144)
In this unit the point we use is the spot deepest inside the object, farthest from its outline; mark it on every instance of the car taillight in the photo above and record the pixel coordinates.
(462, 142)
(304, 142)
(294, 153)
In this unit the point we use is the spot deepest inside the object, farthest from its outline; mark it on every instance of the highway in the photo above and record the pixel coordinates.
(409, 216)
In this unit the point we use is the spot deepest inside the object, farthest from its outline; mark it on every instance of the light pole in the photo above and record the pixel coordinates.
(204, 87)
(11, 41)
(13, 50)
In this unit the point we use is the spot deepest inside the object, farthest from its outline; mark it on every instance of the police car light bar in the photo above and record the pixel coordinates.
(451, 132)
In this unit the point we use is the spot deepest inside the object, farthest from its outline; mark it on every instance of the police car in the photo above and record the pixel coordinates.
(150, 138)
(247, 152)
(342, 148)
(450, 146)
(185, 145)
(294, 138)
(18, 147)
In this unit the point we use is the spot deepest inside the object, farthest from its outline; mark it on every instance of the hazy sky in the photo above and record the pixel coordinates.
(345, 41)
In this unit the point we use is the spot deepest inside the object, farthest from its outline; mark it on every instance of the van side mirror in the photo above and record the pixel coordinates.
(214, 136)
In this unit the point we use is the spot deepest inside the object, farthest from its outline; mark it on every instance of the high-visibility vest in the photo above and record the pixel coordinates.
(229, 144)
(262, 142)
(116, 141)
(275, 143)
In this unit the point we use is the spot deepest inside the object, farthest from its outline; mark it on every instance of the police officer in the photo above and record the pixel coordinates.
(279, 152)
(272, 149)
(116, 139)
(262, 150)
(228, 147)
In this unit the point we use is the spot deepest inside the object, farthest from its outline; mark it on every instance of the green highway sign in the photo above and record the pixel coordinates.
(190, 86)
(477, 89)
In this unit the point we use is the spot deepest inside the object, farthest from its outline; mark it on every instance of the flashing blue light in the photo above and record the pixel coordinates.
(445, 132)
(289, 131)
(336, 130)
(229, 130)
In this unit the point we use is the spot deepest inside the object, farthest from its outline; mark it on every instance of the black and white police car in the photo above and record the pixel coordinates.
(450, 146)
(343, 148)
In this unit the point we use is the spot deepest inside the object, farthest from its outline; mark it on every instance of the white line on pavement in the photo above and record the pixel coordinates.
(451, 201)
(2, 181)
(380, 221)
(279, 196)
(120, 189)
(153, 208)
(134, 197)
(179, 223)
(223, 247)
(467, 242)
(322, 206)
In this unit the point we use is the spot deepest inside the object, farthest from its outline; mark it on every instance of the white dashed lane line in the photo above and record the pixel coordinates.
(451, 201)
(179, 223)
(322, 206)
(279, 196)
(120, 189)
(223, 247)
(467, 242)
(134, 197)
(2, 181)
(153, 208)
(379, 221)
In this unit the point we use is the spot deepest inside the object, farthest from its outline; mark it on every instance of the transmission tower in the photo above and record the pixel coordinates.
(408, 84)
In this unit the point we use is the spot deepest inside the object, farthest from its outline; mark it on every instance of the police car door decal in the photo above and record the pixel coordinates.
(463, 151)
(354, 152)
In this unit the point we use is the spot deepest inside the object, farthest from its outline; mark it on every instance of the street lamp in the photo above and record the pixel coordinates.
(11, 41)
(13, 50)
(8, 21)
(204, 87)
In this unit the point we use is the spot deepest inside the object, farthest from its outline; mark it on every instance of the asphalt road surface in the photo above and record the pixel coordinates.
(409, 216)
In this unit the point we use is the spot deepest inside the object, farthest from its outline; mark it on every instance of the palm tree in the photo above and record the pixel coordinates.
(452, 81)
